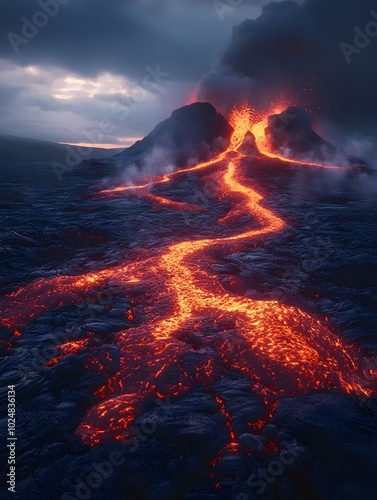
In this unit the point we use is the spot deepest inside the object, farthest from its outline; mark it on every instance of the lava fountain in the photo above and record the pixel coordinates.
(193, 331)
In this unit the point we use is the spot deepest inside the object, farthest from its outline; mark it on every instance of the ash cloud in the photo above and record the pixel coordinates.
(158, 161)
(299, 51)
(89, 39)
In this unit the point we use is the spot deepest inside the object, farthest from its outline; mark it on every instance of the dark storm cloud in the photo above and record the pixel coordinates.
(294, 49)
(122, 37)
(91, 38)
(98, 41)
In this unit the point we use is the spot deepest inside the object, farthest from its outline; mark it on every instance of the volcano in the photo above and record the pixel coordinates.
(291, 133)
(195, 132)
(219, 355)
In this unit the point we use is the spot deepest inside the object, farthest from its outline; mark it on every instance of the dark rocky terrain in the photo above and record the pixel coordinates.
(14, 148)
(290, 133)
(193, 133)
(321, 445)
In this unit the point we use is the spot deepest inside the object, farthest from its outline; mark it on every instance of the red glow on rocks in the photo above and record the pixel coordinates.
(283, 350)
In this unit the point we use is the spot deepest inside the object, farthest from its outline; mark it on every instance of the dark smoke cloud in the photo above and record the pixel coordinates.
(122, 36)
(310, 53)
(86, 39)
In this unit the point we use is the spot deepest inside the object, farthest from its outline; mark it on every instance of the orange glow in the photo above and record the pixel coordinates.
(192, 97)
(68, 348)
(258, 129)
(241, 119)
(190, 330)
(125, 142)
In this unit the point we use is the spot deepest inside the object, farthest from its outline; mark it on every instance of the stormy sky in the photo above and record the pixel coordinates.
(122, 66)
(126, 63)
(321, 55)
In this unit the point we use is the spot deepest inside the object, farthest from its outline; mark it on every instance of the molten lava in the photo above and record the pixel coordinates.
(258, 130)
(203, 330)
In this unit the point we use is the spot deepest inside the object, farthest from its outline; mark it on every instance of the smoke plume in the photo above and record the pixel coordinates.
(319, 56)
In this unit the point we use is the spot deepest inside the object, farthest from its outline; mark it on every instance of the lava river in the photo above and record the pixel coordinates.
(190, 330)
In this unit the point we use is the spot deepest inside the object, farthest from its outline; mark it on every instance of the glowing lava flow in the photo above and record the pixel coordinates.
(193, 331)
(241, 121)
(258, 130)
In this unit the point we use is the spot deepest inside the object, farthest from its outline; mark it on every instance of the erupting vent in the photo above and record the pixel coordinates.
(282, 349)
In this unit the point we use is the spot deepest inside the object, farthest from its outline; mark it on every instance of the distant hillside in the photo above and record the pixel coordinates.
(19, 148)
(192, 132)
